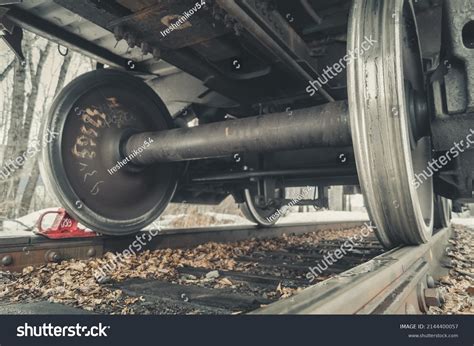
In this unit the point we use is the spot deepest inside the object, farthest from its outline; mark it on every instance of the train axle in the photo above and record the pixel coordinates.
(320, 126)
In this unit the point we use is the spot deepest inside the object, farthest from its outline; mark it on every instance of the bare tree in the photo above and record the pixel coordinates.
(20, 121)
(27, 91)
(33, 176)
(13, 135)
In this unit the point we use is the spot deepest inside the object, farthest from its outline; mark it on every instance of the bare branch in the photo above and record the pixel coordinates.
(5, 72)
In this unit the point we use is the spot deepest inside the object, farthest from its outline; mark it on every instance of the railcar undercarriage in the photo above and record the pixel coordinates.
(280, 93)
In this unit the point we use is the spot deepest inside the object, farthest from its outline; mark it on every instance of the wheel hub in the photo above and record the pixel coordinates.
(85, 167)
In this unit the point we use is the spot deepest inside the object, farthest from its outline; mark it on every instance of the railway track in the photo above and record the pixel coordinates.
(399, 281)
(273, 277)
(18, 252)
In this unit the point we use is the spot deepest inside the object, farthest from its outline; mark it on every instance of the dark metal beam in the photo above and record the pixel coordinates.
(447, 131)
(271, 30)
(348, 171)
(57, 34)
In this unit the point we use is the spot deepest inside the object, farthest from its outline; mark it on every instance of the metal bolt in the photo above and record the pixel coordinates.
(146, 48)
(432, 297)
(119, 33)
(91, 252)
(131, 40)
(7, 260)
(52, 256)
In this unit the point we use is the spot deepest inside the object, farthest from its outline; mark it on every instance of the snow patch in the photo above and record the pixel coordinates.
(468, 222)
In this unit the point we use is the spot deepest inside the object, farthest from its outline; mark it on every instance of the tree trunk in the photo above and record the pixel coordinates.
(13, 136)
(23, 142)
(33, 177)
(31, 105)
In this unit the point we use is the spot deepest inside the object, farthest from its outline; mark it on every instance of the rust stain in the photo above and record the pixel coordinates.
(148, 13)
(173, 19)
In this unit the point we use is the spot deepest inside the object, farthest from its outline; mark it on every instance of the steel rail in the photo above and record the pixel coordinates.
(18, 252)
(396, 282)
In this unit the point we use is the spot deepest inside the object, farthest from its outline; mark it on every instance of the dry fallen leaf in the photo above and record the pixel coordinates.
(73, 282)
(470, 291)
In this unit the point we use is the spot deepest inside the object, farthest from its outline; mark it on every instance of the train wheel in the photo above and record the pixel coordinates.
(265, 217)
(83, 164)
(389, 119)
(442, 212)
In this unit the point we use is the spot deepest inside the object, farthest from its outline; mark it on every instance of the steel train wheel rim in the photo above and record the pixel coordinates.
(265, 217)
(96, 110)
(387, 155)
(442, 212)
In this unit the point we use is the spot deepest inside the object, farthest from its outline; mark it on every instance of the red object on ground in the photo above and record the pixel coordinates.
(63, 227)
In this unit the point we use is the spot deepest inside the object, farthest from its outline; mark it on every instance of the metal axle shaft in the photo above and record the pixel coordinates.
(320, 126)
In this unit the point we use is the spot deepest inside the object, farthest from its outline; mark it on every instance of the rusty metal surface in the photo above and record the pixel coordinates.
(19, 252)
(396, 282)
(151, 23)
(72, 32)
(38, 251)
(460, 91)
